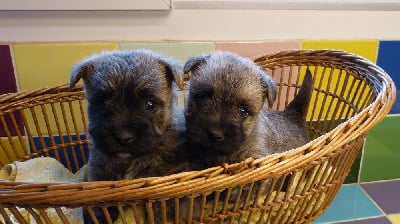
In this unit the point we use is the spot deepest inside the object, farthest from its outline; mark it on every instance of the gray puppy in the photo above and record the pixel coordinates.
(225, 122)
(224, 118)
(134, 125)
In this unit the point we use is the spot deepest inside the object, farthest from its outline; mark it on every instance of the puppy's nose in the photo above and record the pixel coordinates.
(125, 137)
(216, 135)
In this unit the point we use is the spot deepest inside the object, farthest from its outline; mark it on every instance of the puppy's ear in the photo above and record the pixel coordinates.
(174, 71)
(269, 87)
(302, 99)
(82, 70)
(193, 63)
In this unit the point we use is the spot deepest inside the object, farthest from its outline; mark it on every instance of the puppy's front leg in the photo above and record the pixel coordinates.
(102, 168)
(100, 215)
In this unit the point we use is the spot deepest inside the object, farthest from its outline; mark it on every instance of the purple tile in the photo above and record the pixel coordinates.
(8, 85)
(7, 77)
(385, 194)
(380, 220)
(9, 127)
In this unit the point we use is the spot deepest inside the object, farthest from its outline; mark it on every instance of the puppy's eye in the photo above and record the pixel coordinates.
(243, 111)
(150, 105)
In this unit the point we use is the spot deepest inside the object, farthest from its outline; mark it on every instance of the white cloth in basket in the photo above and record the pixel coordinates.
(44, 170)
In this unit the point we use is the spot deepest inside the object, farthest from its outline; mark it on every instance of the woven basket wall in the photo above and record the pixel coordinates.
(350, 96)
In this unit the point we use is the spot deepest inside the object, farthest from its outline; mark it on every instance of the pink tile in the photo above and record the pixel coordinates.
(252, 49)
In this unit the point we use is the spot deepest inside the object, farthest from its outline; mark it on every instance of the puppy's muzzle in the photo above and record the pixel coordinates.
(125, 137)
(216, 135)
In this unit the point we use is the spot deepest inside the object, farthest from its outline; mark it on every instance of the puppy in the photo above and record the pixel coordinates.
(133, 122)
(224, 118)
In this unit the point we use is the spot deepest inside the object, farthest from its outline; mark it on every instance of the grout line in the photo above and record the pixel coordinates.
(380, 181)
(361, 160)
(357, 219)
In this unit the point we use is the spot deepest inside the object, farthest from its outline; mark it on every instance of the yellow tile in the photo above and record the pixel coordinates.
(367, 49)
(12, 149)
(364, 48)
(395, 219)
(56, 119)
(41, 65)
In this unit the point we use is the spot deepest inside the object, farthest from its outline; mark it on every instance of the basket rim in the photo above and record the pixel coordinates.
(346, 132)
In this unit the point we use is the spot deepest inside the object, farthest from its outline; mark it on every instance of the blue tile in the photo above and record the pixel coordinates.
(389, 60)
(350, 203)
(64, 153)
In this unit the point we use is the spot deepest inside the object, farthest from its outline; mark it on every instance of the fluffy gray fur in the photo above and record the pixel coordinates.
(224, 118)
(225, 122)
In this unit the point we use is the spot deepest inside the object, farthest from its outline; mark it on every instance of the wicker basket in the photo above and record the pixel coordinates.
(350, 96)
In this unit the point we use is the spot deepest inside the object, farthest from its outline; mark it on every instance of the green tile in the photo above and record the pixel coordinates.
(352, 177)
(178, 50)
(382, 151)
(325, 126)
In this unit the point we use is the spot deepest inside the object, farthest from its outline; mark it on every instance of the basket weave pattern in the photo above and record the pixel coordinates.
(350, 96)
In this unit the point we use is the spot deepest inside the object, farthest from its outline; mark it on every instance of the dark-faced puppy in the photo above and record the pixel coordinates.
(225, 122)
(224, 118)
(133, 123)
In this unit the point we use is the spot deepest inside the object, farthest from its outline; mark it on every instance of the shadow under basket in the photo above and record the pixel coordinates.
(350, 96)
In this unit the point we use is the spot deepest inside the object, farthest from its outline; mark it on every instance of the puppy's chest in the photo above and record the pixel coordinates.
(143, 167)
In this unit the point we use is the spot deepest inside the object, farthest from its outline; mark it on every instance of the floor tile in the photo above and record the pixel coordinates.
(395, 219)
(378, 220)
(385, 194)
(350, 203)
(41, 65)
(178, 50)
(381, 159)
(388, 59)
(252, 49)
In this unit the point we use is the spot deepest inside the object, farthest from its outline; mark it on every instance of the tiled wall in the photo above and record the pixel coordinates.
(30, 66)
